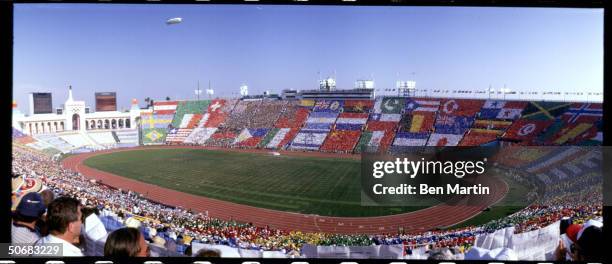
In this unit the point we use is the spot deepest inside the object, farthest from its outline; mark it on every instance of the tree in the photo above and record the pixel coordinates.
(167, 98)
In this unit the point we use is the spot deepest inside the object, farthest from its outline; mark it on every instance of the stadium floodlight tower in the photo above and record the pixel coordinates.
(198, 91)
(328, 84)
(244, 90)
(406, 88)
(364, 84)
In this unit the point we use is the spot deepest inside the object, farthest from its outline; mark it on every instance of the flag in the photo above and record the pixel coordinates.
(320, 121)
(444, 140)
(386, 117)
(583, 113)
(358, 106)
(410, 139)
(203, 120)
(216, 106)
(417, 122)
(511, 110)
(524, 129)
(188, 108)
(307, 103)
(217, 112)
(461, 107)
(200, 135)
(421, 105)
(155, 120)
(544, 110)
(194, 121)
(165, 108)
(571, 131)
(341, 140)
(592, 137)
(550, 132)
(451, 124)
(222, 134)
(178, 135)
(250, 137)
(371, 140)
(153, 135)
(477, 137)
(492, 124)
(502, 109)
(274, 137)
(328, 106)
(308, 140)
(379, 125)
(186, 120)
(389, 105)
(351, 121)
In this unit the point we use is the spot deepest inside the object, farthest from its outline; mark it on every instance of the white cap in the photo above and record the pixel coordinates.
(132, 222)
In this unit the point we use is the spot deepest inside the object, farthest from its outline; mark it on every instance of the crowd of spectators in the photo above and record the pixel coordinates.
(175, 229)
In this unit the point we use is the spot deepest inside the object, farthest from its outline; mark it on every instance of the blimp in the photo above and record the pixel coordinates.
(173, 21)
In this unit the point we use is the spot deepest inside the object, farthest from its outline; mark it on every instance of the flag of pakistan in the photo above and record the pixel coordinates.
(392, 105)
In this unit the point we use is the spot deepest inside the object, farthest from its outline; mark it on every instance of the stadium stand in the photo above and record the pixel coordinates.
(127, 136)
(243, 114)
(103, 138)
(565, 174)
(315, 130)
(188, 113)
(346, 132)
(291, 118)
(123, 208)
(77, 140)
(55, 142)
(267, 113)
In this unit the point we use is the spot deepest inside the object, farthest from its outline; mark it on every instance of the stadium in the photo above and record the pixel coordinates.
(279, 177)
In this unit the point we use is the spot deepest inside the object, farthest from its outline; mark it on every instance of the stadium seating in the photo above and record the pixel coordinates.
(317, 126)
(77, 140)
(218, 111)
(55, 142)
(127, 136)
(243, 114)
(341, 141)
(200, 135)
(267, 113)
(377, 137)
(344, 126)
(188, 113)
(103, 138)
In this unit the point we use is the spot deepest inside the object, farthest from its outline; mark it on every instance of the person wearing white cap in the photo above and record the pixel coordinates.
(589, 246)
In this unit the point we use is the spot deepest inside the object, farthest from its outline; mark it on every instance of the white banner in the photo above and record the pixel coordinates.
(537, 245)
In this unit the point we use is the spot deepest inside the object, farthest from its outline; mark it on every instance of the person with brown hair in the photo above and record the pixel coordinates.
(126, 242)
(64, 225)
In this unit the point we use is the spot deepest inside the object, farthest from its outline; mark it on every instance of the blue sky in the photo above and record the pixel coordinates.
(129, 49)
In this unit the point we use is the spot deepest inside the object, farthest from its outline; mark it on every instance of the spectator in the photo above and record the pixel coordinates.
(590, 245)
(208, 253)
(64, 223)
(126, 242)
(441, 254)
(29, 210)
(47, 196)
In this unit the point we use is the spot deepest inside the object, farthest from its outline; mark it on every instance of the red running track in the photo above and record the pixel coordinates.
(418, 221)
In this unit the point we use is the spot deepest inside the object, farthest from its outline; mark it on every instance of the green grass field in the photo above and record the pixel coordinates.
(323, 186)
(310, 185)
